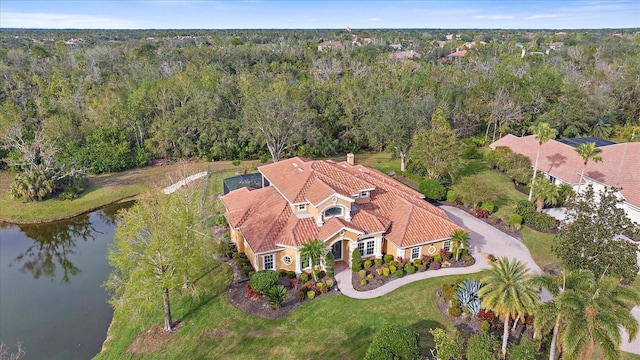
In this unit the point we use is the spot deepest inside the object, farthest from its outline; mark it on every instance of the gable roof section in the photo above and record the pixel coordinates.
(617, 169)
(267, 222)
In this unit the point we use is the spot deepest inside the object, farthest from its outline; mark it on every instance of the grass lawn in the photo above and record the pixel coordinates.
(106, 189)
(539, 244)
(334, 327)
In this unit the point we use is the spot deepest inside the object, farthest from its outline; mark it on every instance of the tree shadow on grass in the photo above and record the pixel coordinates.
(426, 339)
(195, 303)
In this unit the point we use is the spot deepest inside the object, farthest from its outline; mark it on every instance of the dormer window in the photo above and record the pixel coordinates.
(364, 194)
(302, 207)
(333, 211)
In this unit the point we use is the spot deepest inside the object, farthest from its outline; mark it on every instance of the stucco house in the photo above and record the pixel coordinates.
(345, 205)
(560, 163)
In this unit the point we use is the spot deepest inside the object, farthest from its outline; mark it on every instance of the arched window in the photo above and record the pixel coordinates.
(333, 211)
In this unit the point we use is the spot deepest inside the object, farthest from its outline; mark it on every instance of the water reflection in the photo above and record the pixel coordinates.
(54, 243)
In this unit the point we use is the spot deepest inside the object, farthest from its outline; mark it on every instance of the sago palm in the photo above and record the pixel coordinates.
(508, 292)
(314, 251)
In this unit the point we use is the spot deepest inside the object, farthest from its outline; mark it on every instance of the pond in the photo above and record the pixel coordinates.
(51, 297)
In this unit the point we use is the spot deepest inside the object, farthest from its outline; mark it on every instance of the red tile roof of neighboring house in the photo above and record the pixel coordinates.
(407, 54)
(619, 166)
(266, 220)
(460, 53)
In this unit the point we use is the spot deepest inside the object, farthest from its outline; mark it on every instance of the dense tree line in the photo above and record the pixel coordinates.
(111, 100)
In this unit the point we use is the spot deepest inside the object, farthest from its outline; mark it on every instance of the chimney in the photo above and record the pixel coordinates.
(350, 159)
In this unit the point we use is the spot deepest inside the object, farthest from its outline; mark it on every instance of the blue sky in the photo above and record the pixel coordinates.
(271, 14)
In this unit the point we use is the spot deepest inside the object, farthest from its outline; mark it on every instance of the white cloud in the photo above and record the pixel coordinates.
(373, 19)
(63, 21)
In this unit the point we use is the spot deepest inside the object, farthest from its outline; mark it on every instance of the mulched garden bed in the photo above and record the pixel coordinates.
(465, 321)
(237, 294)
(380, 280)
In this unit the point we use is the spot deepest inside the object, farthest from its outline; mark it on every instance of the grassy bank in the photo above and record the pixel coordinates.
(104, 190)
(335, 327)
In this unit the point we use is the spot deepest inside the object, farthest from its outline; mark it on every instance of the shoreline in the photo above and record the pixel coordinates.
(70, 216)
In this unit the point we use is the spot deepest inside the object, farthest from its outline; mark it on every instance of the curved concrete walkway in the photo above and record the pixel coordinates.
(172, 188)
(485, 239)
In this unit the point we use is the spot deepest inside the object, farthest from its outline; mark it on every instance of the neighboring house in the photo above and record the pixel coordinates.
(330, 44)
(344, 205)
(560, 163)
(407, 54)
(453, 56)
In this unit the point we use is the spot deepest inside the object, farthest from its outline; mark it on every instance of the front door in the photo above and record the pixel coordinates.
(336, 249)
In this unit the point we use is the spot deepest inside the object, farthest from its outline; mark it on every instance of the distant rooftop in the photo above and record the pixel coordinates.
(575, 142)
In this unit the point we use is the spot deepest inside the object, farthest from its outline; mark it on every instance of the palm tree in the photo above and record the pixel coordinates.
(460, 240)
(601, 309)
(588, 151)
(507, 292)
(543, 132)
(557, 312)
(314, 251)
(545, 192)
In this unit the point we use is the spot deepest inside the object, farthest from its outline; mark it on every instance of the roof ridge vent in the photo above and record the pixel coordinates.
(300, 169)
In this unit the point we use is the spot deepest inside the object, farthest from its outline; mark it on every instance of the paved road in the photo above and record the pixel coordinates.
(485, 239)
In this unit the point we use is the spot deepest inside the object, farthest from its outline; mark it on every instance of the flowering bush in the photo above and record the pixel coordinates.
(435, 265)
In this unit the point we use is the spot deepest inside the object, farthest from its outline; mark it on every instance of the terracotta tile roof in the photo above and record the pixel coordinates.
(267, 222)
(619, 166)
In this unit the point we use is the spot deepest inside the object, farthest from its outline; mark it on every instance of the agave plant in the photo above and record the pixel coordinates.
(467, 294)
(464, 296)
(474, 306)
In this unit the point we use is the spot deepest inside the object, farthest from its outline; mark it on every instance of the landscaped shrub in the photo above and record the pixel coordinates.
(276, 296)
(449, 290)
(488, 206)
(515, 221)
(363, 282)
(435, 265)
(304, 277)
(379, 271)
(393, 263)
(445, 255)
(291, 274)
(392, 268)
(437, 258)
(293, 282)
(388, 258)
(329, 283)
(263, 280)
(484, 326)
(399, 273)
(394, 342)
(452, 196)
(417, 262)
(301, 294)
(386, 271)
(330, 265)
(282, 273)
(378, 262)
(322, 288)
(455, 312)
(482, 346)
(356, 260)
(525, 350)
(482, 214)
(455, 303)
(432, 189)
(370, 276)
(311, 294)
(531, 217)
(368, 264)
(410, 269)
(420, 268)
(362, 273)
